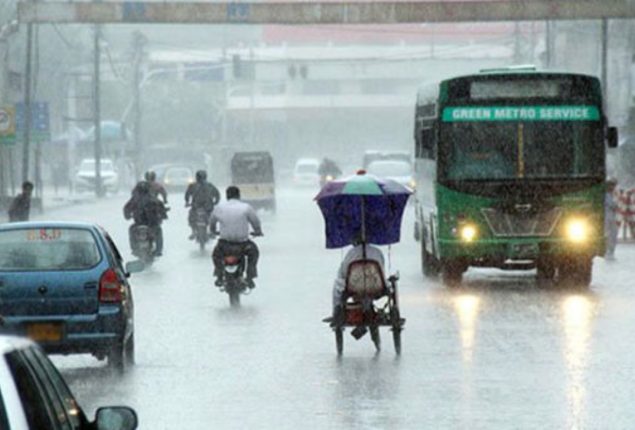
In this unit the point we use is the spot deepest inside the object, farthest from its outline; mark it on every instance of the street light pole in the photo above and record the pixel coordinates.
(139, 41)
(605, 55)
(97, 113)
(27, 103)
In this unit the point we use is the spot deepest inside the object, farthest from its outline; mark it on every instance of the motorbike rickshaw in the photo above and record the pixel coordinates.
(252, 172)
(373, 207)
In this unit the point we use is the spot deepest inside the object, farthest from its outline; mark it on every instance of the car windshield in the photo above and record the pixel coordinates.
(90, 165)
(307, 168)
(36, 249)
(181, 173)
(252, 168)
(389, 168)
(499, 150)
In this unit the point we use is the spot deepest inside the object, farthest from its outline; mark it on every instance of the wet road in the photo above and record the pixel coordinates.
(497, 353)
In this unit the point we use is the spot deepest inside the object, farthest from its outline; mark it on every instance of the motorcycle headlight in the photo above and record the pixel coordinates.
(577, 230)
(468, 232)
(412, 184)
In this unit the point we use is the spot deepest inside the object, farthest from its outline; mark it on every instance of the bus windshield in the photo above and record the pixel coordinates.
(512, 150)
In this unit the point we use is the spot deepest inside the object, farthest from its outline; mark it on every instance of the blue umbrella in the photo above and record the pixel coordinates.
(362, 206)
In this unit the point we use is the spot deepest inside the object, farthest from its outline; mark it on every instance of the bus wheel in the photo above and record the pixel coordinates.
(576, 273)
(451, 273)
(429, 264)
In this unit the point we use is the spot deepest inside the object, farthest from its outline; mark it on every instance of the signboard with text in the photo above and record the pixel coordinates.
(7, 125)
(40, 121)
(521, 113)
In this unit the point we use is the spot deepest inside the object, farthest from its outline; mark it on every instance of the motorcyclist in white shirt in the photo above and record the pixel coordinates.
(234, 218)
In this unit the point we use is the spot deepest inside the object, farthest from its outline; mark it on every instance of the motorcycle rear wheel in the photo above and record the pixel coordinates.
(374, 335)
(339, 340)
(234, 298)
(396, 338)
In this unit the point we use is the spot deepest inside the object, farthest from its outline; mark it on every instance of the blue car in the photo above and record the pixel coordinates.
(64, 285)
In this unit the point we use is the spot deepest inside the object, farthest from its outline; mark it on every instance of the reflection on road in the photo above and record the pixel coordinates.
(364, 387)
(577, 316)
(466, 307)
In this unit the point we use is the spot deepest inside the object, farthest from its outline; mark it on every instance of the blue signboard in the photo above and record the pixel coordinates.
(40, 120)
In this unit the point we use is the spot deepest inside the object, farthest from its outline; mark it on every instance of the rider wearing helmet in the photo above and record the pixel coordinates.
(155, 187)
(200, 194)
(146, 209)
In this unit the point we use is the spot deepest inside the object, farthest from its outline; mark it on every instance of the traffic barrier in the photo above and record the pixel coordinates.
(625, 216)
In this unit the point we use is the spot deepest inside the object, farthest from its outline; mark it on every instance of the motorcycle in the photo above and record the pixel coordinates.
(326, 178)
(201, 224)
(234, 279)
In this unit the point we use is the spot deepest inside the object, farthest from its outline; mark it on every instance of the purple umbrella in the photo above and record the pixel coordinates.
(363, 206)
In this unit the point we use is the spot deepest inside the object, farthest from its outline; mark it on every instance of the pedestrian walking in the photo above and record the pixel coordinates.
(21, 204)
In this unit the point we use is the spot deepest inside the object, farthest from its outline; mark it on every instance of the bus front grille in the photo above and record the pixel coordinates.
(514, 224)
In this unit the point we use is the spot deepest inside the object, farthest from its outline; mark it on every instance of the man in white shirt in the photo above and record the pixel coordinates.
(357, 252)
(234, 218)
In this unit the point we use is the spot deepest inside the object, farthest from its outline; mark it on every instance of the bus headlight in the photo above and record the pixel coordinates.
(467, 232)
(577, 230)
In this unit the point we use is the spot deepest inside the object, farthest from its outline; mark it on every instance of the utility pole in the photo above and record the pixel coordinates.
(605, 55)
(518, 57)
(139, 41)
(97, 112)
(27, 103)
(252, 96)
(6, 168)
(550, 35)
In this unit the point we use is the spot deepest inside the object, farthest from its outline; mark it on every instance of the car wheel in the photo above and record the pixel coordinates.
(130, 351)
(116, 357)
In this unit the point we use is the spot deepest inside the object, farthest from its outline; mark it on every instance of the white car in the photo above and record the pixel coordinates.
(397, 170)
(85, 176)
(33, 394)
(306, 173)
(178, 178)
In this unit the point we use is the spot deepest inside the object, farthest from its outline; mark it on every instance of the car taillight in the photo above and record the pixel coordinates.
(110, 289)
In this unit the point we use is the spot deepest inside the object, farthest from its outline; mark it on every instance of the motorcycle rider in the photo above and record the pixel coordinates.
(328, 170)
(203, 194)
(234, 218)
(156, 189)
(146, 209)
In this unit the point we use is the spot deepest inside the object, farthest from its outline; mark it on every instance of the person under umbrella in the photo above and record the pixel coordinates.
(359, 251)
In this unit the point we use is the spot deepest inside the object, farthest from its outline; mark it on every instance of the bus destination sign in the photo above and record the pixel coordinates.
(520, 113)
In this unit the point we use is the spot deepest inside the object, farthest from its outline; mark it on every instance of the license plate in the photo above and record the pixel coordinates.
(44, 332)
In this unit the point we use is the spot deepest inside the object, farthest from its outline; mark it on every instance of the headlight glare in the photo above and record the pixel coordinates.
(467, 233)
(577, 230)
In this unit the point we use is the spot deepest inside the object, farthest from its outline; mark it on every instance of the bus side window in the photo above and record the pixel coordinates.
(427, 143)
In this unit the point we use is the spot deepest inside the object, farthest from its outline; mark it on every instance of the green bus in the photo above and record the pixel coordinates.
(511, 173)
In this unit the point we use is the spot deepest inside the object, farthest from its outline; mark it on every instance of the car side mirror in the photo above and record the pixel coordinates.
(611, 137)
(116, 418)
(135, 266)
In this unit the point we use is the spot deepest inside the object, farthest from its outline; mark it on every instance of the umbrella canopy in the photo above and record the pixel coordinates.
(362, 206)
